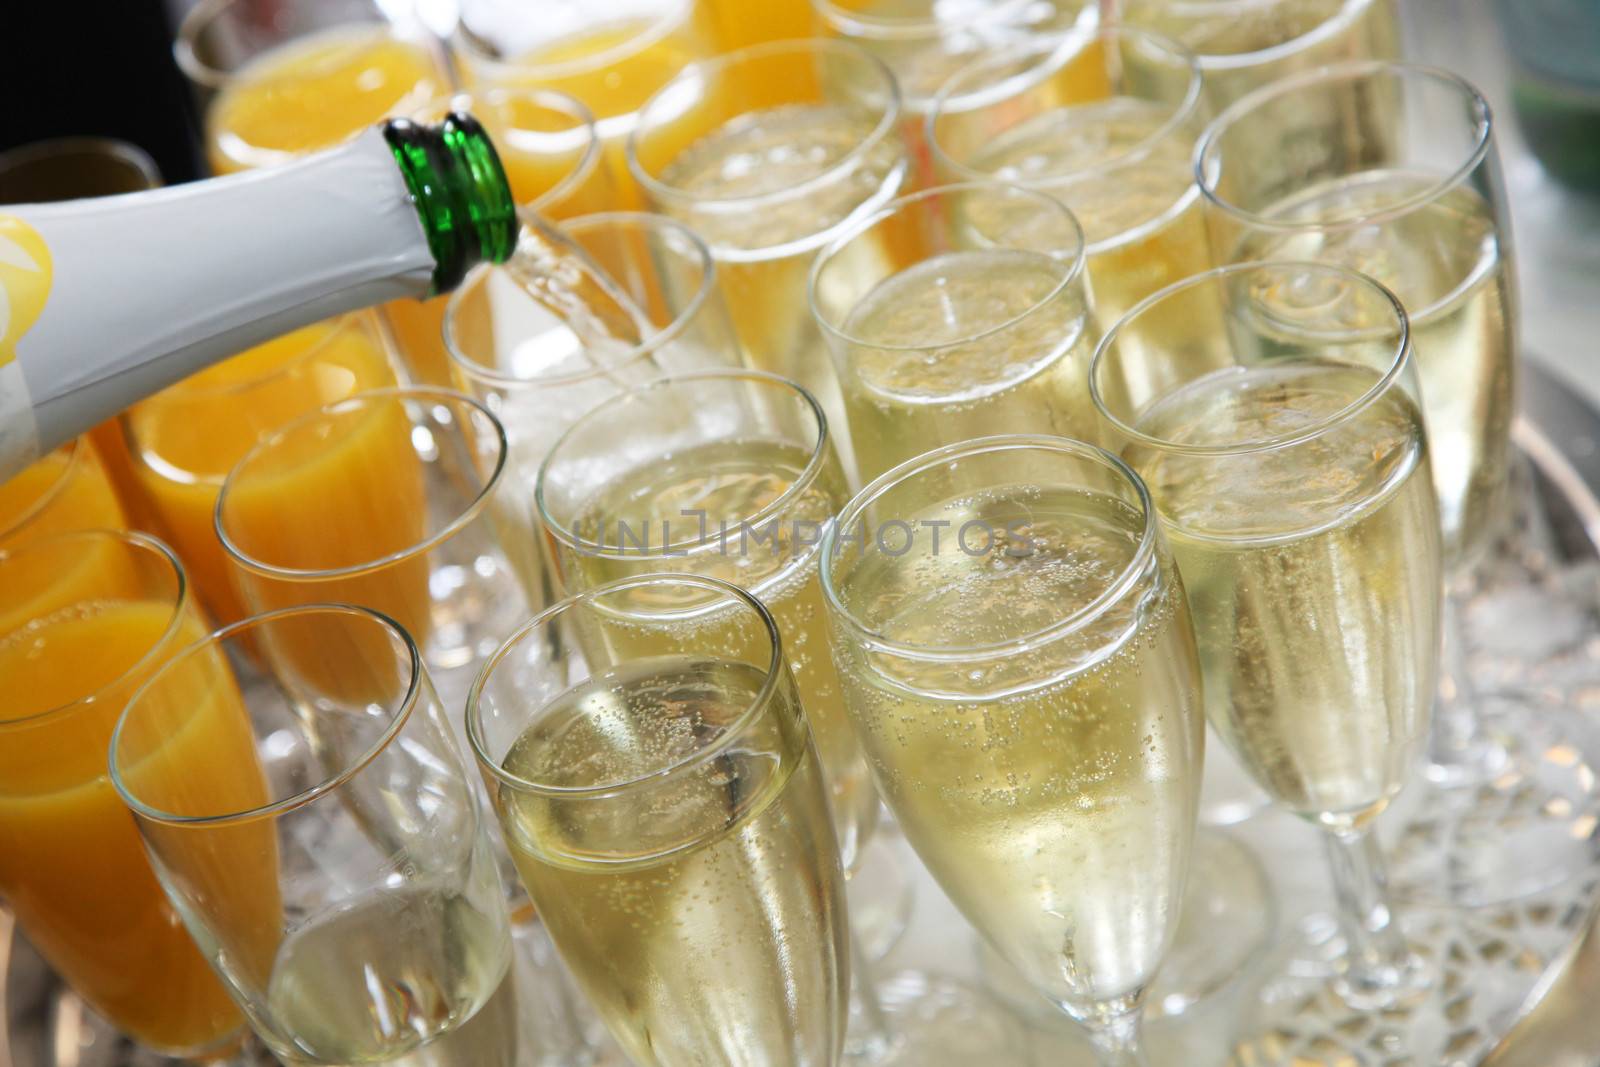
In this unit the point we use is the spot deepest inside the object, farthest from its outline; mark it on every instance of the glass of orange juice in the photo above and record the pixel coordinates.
(85, 618)
(282, 79)
(611, 54)
(551, 153)
(390, 500)
(68, 168)
(68, 489)
(392, 942)
(186, 438)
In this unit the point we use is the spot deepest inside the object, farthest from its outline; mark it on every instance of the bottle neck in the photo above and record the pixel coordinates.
(460, 192)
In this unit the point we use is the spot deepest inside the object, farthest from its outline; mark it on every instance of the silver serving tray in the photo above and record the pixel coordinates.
(1548, 1018)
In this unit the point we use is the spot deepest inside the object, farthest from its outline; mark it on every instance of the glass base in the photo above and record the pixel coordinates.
(1525, 822)
(1228, 795)
(935, 1021)
(1474, 969)
(880, 895)
(1227, 922)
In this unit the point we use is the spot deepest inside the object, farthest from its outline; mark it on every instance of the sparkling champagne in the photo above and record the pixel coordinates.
(407, 978)
(703, 913)
(911, 384)
(1243, 46)
(729, 482)
(1129, 181)
(1445, 262)
(764, 253)
(1312, 574)
(1056, 808)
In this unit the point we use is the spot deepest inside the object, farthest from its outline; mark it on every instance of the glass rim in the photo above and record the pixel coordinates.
(421, 393)
(735, 730)
(501, 69)
(399, 717)
(885, 127)
(1401, 359)
(1208, 171)
(553, 100)
(199, 17)
(813, 467)
(1127, 578)
(908, 28)
(1348, 11)
(86, 144)
(481, 374)
(858, 227)
(991, 94)
(74, 467)
(182, 596)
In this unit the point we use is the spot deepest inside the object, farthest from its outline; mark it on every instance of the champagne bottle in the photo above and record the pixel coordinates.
(106, 301)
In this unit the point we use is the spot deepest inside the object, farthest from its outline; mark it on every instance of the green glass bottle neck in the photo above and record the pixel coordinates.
(460, 191)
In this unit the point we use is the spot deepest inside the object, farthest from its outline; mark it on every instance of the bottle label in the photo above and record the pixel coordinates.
(25, 277)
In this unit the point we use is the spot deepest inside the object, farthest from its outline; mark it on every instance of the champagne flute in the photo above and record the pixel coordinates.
(396, 506)
(72, 168)
(85, 617)
(669, 817)
(1017, 658)
(550, 150)
(1106, 121)
(824, 118)
(953, 313)
(732, 474)
(1392, 170)
(1245, 44)
(326, 847)
(924, 42)
(1273, 409)
(532, 361)
(302, 75)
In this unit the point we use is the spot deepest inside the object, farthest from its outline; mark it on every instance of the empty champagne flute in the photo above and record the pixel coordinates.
(1274, 411)
(1392, 170)
(669, 817)
(550, 150)
(325, 847)
(954, 313)
(540, 359)
(1017, 658)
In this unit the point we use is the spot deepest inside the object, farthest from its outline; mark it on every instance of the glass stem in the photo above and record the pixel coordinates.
(1458, 751)
(871, 1038)
(1379, 966)
(1118, 1039)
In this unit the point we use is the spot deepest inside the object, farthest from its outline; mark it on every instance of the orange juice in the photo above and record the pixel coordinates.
(190, 435)
(71, 863)
(358, 488)
(740, 22)
(551, 156)
(613, 69)
(316, 92)
(65, 490)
